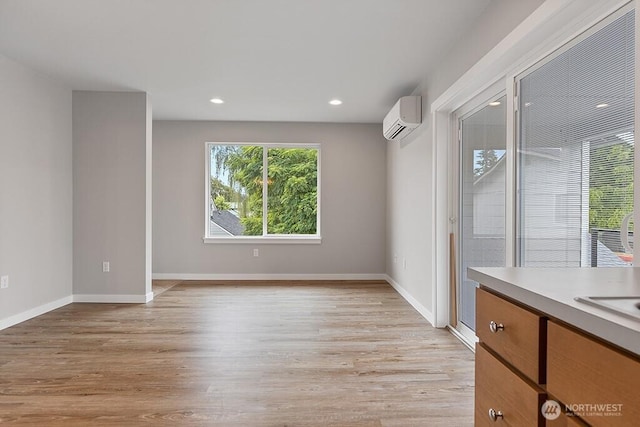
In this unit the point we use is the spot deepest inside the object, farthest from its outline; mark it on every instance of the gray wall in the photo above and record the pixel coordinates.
(352, 201)
(110, 139)
(35, 189)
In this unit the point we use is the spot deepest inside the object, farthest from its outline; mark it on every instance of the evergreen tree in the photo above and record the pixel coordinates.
(484, 161)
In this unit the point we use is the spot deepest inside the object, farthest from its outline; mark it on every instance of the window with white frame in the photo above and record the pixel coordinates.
(262, 191)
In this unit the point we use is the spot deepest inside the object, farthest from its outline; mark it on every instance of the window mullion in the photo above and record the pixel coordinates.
(511, 162)
(265, 177)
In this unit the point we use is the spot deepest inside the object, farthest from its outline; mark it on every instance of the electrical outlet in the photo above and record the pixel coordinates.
(4, 282)
(105, 266)
(256, 252)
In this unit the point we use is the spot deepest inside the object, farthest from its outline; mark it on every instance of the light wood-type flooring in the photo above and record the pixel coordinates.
(237, 354)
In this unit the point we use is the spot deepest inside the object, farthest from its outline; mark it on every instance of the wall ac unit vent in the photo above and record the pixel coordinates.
(403, 118)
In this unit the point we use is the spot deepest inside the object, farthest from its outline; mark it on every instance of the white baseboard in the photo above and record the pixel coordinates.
(183, 276)
(45, 308)
(113, 299)
(426, 313)
(34, 312)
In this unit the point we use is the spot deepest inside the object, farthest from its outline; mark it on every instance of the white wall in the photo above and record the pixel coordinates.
(110, 206)
(410, 199)
(35, 192)
(353, 199)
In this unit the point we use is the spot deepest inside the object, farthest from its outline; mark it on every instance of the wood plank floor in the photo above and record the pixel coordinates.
(318, 354)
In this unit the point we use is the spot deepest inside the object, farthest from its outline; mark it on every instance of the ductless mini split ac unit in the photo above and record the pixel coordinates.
(403, 118)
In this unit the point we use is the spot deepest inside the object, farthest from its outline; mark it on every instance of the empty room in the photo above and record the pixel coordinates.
(318, 213)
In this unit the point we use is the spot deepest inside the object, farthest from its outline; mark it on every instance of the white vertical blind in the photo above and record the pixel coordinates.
(575, 151)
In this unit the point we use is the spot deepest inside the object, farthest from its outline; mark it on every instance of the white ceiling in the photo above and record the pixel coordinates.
(270, 60)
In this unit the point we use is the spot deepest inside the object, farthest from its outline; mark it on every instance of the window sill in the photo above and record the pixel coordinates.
(256, 240)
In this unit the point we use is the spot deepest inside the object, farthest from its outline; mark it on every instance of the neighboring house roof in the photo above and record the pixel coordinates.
(228, 222)
(216, 231)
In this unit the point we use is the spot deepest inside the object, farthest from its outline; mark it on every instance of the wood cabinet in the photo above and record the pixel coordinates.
(525, 358)
(509, 363)
(587, 372)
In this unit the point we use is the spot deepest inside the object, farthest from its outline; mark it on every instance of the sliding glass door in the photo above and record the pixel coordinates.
(481, 209)
(557, 191)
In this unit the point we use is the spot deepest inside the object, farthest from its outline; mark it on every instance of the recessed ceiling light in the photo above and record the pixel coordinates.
(335, 102)
(528, 104)
(494, 103)
(602, 105)
(217, 101)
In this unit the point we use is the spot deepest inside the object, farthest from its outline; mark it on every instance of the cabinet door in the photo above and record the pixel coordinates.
(498, 389)
(565, 420)
(598, 383)
(575, 422)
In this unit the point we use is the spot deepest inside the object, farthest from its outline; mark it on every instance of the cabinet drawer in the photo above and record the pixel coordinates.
(500, 389)
(584, 371)
(520, 341)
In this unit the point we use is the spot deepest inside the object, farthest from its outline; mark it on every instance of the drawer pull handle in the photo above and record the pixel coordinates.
(495, 327)
(494, 415)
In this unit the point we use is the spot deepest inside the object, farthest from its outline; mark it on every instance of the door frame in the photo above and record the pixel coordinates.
(545, 30)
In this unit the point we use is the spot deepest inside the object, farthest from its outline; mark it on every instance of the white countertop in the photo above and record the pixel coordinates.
(552, 291)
